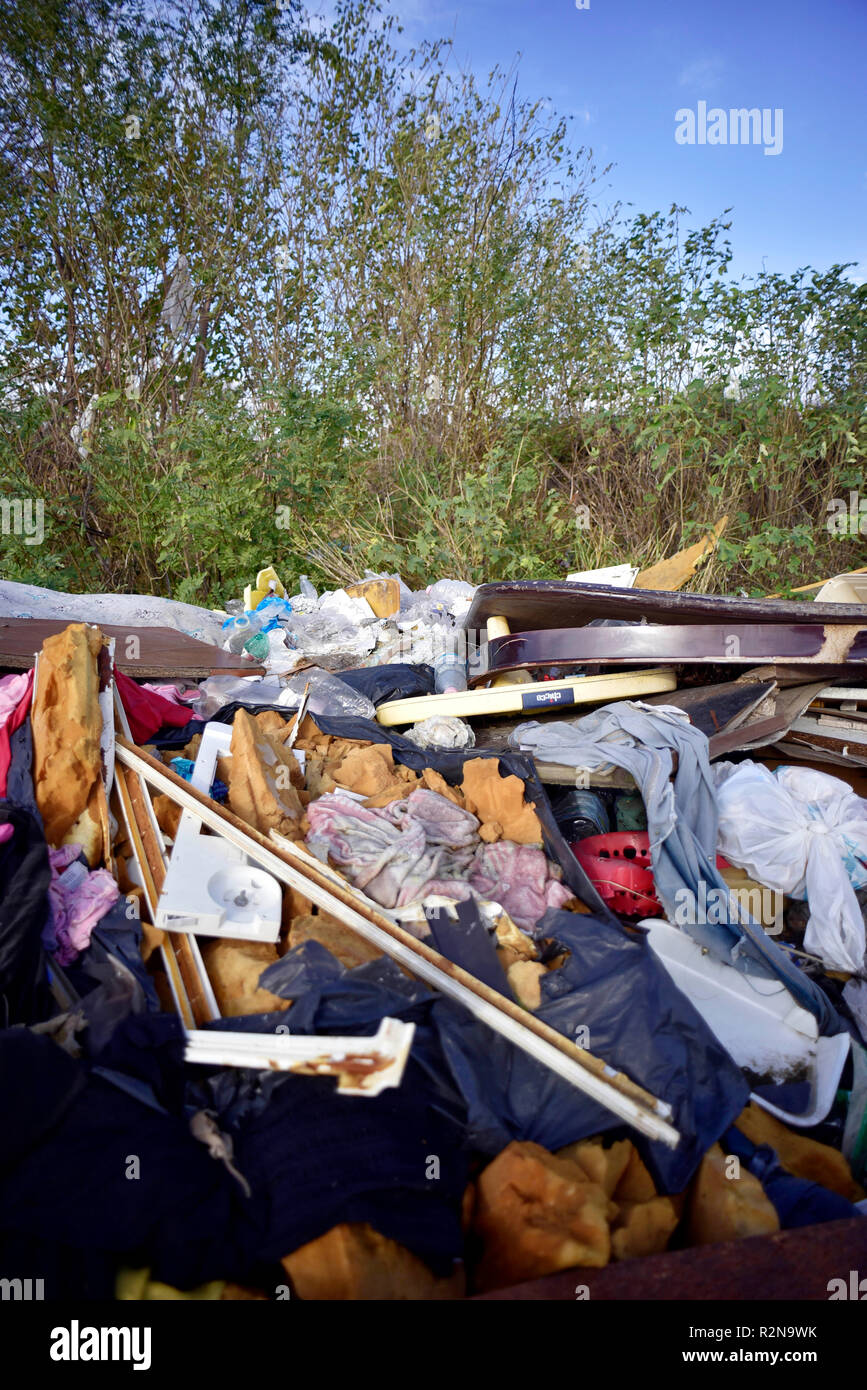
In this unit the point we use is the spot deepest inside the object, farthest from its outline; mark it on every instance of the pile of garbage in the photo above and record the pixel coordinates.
(433, 943)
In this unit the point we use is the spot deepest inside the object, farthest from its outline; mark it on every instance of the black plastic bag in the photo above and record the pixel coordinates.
(612, 986)
(394, 682)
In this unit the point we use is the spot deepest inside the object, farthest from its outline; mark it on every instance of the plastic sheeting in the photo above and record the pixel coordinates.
(312, 1158)
(123, 610)
(123, 984)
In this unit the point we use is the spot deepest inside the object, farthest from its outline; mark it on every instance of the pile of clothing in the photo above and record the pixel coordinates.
(406, 851)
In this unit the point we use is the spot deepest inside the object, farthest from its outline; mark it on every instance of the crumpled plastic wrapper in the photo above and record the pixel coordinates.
(329, 632)
(456, 594)
(441, 731)
(328, 695)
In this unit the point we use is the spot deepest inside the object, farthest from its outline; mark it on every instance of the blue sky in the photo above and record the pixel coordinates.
(623, 68)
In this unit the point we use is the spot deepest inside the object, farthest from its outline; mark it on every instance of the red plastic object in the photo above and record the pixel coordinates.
(618, 866)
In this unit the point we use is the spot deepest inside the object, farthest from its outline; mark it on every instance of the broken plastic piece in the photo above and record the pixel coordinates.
(211, 888)
(764, 1029)
(267, 583)
(619, 576)
(363, 1066)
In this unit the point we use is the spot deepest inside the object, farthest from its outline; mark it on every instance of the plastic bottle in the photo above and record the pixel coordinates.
(629, 812)
(450, 673)
(237, 632)
(258, 646)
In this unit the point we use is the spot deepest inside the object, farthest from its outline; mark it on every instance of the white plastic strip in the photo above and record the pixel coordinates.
(364, 1065)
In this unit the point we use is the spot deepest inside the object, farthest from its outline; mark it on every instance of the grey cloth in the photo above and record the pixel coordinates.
(682, 825)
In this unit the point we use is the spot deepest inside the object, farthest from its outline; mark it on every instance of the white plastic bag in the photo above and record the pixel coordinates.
(456, 594)
(441, 731)
(803, 833)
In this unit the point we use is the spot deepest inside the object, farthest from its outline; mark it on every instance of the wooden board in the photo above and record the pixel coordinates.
(677, 569)
(297, 869)
(849, 719)
(787, 676)
(766, 725)
(852, 733)
(139, 651)
(549, 603)
(562, 775)
(844, 692)
(756, 735)
(714, 708)
(807, 730)
(532, 699)
(725, 644)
